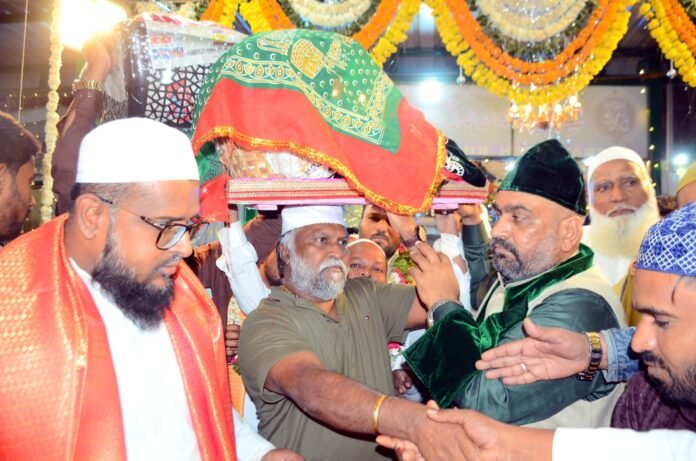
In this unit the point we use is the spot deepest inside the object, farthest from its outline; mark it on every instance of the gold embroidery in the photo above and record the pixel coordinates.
(368, 127)
(278, 42)
(307, 58)
(330, 162)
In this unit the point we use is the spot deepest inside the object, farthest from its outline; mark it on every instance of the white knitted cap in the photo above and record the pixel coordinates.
(295, 217)
(135, 150)
(614, 153)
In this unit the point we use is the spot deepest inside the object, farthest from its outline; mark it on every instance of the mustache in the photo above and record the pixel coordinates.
(334, 262)
(622, 208)
(498, 242)
(648, 358)
(168, 262)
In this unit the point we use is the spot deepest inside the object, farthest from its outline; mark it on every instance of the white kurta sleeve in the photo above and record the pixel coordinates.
(609, 443)
(250, 445)
(452, 246)
(238, 262)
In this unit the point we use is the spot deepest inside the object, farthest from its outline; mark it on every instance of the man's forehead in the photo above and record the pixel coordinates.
(364, 248)
(616, 168)
(179, 198)
(374, 209)
(654, 291)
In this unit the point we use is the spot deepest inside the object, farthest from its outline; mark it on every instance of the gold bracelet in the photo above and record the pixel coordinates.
(87, 85)
(375, 412)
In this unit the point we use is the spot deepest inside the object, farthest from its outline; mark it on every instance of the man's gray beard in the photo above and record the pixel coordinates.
(620, 236)
(314, 282)
(513, 268)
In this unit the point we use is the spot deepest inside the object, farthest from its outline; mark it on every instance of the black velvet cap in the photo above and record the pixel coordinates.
(548, 170)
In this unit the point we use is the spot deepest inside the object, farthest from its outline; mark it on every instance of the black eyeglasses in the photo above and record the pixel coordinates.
(169, 234)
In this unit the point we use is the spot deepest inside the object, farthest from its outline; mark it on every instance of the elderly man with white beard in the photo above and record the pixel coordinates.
(313, 354)
(622, 209)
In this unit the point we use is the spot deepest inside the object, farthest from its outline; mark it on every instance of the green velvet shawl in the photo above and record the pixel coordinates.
(443, 359)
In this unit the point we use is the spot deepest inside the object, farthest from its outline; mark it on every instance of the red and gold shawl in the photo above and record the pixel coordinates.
(59, 392)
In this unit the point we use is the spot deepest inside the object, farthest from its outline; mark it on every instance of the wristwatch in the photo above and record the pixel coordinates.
(430, 316)
(420, 236)
(595, 357)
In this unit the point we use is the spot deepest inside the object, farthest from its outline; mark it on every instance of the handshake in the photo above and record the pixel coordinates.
(482, 438)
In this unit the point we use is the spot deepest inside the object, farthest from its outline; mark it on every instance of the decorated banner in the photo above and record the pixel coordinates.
(672, 25)
(320, 96)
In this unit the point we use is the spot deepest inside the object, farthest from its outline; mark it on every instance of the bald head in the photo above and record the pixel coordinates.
(366, 259)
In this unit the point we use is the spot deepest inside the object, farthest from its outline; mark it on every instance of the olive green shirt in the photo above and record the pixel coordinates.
(369, 316)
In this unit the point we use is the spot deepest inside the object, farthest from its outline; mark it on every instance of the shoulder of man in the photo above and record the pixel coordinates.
(579, 309)
(367, 287)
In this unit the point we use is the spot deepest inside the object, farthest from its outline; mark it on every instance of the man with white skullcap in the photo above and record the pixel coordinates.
(313, 354)
(367, 259)
(111, 347)
(622, 207)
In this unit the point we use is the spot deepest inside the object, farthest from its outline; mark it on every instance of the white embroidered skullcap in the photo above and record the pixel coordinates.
(357, 241)
(295, 217)
(614, 153)
(135, 150)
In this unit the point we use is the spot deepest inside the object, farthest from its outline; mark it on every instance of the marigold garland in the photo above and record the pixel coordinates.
(221, 11)
(381, 34)
(673, 29)
(523, 82)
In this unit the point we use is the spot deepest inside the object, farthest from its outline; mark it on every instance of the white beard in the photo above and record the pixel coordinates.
(621, 236)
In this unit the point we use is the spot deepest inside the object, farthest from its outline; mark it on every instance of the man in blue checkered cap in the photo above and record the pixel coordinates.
(663, 395)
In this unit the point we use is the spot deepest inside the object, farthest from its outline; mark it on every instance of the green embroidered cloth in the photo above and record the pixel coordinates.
(443, 359)
(320, 95)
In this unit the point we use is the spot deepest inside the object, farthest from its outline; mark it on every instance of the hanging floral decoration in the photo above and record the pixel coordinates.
(192, 9)
(378, 25)
(51, 128)
(672, 25)
(539, 53)
(221, 11)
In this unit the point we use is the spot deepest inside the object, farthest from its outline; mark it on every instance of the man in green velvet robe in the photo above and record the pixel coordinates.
(544, 273)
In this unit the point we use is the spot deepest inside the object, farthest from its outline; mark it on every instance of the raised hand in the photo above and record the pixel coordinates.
(546, 353)
(402, 381)
(404, 225)
(448, 222)
(231, 339)
(434, 276)
(470, 213)
(96, 52)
